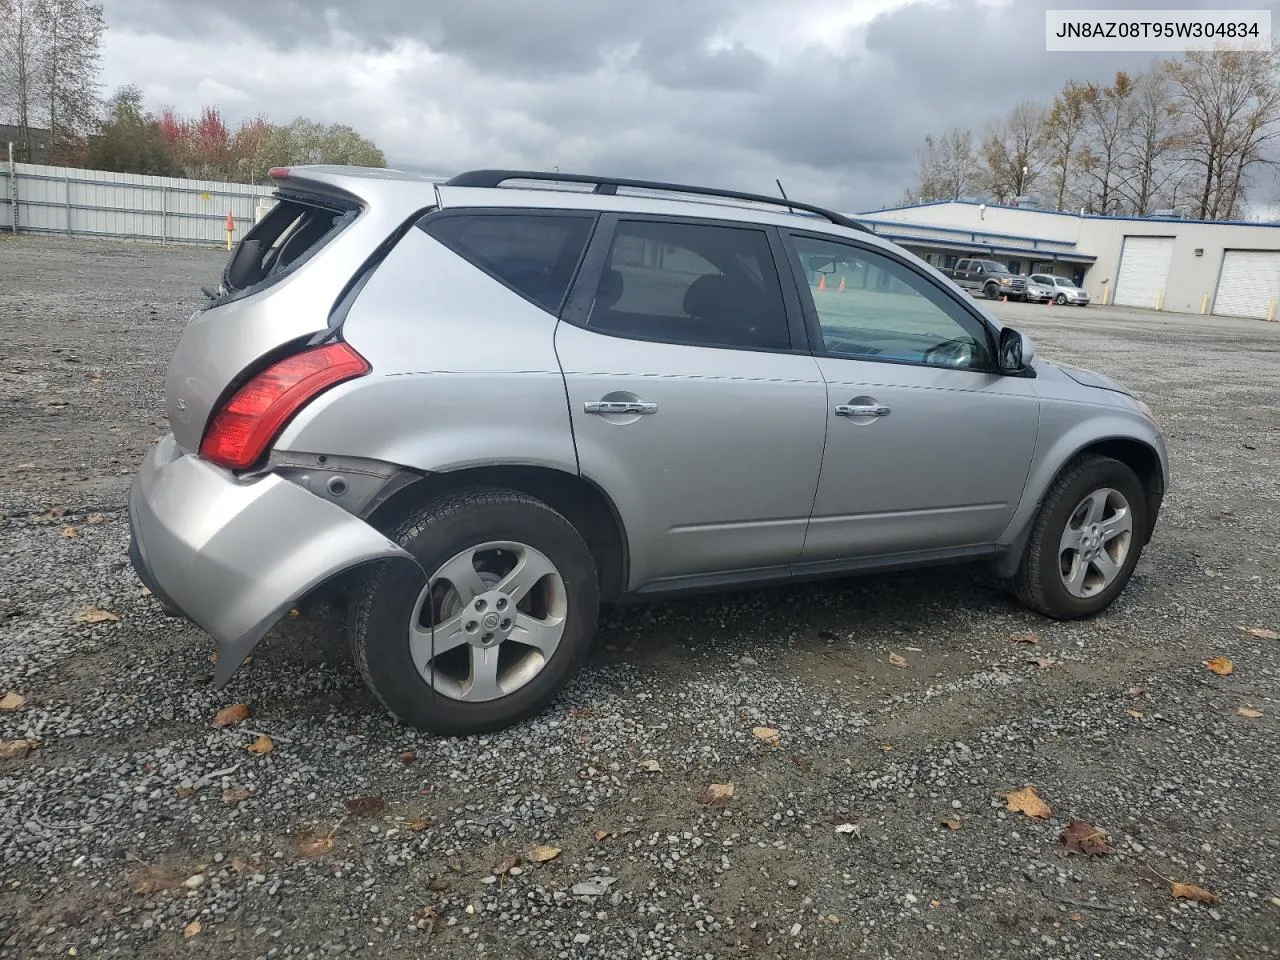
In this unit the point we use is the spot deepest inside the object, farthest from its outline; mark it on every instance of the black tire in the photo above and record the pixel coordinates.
(382, 605)
(1038, 583)
(991, 291)
(1060, 299)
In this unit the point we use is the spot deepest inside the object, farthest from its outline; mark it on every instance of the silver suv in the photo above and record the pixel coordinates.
(479, 409)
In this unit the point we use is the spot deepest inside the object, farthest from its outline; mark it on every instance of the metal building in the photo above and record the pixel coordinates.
(1229, 268)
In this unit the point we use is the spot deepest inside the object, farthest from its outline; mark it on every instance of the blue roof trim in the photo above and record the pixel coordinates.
(963, 231)
(991, 248)
(1064, 213)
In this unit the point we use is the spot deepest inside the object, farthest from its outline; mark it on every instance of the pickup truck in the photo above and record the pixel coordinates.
(993, 280)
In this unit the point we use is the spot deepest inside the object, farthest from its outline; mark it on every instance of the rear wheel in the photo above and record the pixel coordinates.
(505, 618)
(1086, 540)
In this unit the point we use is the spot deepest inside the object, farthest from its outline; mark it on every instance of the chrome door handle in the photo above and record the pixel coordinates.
(620, 406)
(862, 410)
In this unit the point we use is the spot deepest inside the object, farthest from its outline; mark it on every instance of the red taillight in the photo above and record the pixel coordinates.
(278, 173)
(241, 430)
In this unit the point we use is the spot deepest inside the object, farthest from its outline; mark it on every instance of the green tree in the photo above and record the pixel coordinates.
(130, 140)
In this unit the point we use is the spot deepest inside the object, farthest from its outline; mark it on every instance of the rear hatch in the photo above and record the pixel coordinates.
(277, 292)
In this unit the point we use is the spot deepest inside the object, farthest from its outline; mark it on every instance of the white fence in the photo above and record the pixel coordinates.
(96, 203)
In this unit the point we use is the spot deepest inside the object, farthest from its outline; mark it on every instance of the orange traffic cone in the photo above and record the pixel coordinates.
(822, 281)
(841, 287)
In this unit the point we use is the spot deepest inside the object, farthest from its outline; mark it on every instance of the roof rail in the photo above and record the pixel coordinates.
(610, 185)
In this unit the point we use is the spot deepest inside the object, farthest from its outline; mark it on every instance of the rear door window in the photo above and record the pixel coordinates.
(534, 254)
(692, 284)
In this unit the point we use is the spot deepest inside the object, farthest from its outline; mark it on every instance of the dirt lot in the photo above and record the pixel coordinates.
(135, 828)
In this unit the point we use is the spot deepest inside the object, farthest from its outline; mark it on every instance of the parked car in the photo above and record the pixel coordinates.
(990, 278)
(478, 410)
(1058, 289)
(1040, 288)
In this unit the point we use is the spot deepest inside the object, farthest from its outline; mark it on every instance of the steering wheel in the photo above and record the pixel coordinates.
(950, 353)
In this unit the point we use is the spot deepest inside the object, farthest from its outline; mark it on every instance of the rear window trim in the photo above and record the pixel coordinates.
(591, 216)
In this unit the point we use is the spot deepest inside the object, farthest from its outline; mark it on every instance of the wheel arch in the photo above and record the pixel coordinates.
(1137, 454)
(581, 502)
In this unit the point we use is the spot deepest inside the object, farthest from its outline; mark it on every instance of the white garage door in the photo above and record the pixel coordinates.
(1250, 282)
(1144, 271)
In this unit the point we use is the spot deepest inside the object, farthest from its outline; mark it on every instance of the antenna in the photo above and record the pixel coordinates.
(778, 181)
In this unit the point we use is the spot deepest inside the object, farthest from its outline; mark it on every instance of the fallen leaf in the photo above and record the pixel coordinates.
(1136, 714)
(1222, 666)
(1028, 801)
(408, 757)
(366, 806)
(1137, 691)
(846, 828)
(419, 824)
(12, 701)
(1189, 891)
(1275, 901)
(96, 519)
(17, 749)
(1044, 663)
(886, 747)
(602, 834)
(505, 864)
(769, 735)
(69, 532)
(94, 615)
(541, 854)
(263, 744)
(585, 712)
(314, 845)
(652, 766)
(230, 716)
(1085, 838)
(1262, 633)
(832, 918)
(191, 929)
(803, 764)
(716, 794)
(952, 823)
(187, 793)
(234, 795)
(1025, 638)
(295, 613)
(1249, 712)
(897, 660)
(146, 592)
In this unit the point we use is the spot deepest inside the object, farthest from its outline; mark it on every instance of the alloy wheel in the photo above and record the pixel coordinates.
(1095, 542)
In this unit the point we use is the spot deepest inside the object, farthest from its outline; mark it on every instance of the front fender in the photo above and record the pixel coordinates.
(1065, 435)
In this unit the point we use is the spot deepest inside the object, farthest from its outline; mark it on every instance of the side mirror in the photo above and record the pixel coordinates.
(1017, 353)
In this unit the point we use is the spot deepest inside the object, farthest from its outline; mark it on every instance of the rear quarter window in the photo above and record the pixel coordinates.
(534, 254)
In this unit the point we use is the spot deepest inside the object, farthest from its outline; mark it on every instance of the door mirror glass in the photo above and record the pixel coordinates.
(1016, 351)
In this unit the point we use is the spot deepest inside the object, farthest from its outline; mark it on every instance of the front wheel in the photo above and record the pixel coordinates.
(992, 291)
(1086, 540)
(1060, 299)
(506, 616)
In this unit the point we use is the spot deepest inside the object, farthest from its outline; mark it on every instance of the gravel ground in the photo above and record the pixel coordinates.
(135, 828)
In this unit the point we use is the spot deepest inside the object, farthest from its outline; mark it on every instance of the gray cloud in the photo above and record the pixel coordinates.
(689, 90)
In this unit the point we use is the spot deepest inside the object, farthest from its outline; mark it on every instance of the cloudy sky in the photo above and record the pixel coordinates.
(832, 96)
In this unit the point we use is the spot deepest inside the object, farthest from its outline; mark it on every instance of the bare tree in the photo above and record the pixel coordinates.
(1231, 99)
(947, 168)
(1103, 160)
(68, 78)
(1064, 131)
(21, 55)
(1013, 151)
(1154, 136)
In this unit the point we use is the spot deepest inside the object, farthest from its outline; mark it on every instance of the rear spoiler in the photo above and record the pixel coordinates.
(359, 185)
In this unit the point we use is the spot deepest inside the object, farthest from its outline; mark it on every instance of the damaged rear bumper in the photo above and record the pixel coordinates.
(234, 555)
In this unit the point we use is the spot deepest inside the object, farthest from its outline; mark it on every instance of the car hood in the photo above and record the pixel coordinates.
(1086, 378)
